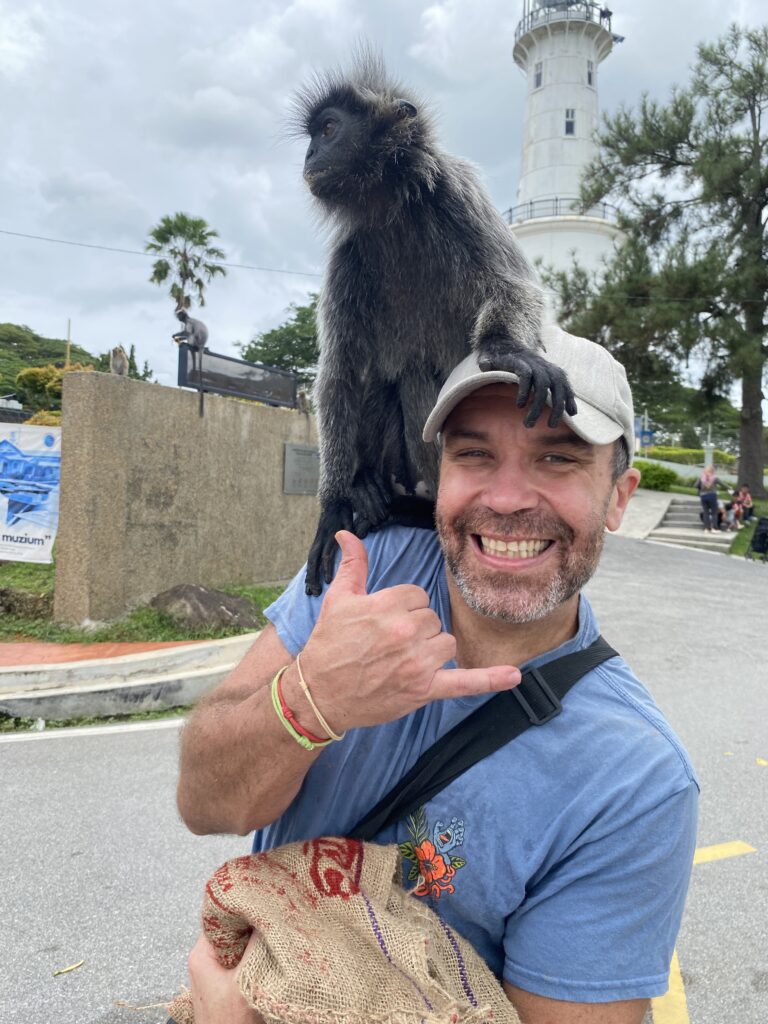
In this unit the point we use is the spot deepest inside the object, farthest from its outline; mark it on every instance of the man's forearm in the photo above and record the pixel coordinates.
(239, 767)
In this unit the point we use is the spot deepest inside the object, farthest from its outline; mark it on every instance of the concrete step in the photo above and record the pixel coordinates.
(692, 538)
(682, 517)
(167, 662)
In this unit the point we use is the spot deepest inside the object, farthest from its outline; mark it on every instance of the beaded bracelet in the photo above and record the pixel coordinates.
(323, 724)
(303, 738)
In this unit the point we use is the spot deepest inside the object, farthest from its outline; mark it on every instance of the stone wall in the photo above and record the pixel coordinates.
(153, 495)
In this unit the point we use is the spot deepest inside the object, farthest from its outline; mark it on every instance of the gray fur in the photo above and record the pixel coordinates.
(118, 361)
(421, 268)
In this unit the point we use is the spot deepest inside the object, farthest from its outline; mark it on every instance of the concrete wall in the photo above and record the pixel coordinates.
(153, 495)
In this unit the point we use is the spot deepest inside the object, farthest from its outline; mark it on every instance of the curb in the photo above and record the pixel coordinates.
(147, 681)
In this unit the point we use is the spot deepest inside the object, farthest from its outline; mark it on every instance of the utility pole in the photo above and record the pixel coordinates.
(69, 344)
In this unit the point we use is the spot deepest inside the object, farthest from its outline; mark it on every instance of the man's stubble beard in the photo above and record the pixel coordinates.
(519, 597)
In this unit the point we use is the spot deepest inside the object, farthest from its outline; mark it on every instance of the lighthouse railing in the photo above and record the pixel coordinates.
(563, 10)
(559, 206)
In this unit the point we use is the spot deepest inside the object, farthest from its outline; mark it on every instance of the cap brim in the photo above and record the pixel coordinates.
(589, 423)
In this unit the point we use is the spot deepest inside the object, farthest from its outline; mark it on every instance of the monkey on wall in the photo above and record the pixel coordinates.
(118, 361)
(194, 332)
(421, 269)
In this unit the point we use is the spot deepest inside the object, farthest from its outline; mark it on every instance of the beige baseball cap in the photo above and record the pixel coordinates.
(599, 383)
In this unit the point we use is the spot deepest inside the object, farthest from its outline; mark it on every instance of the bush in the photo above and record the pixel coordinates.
(689, 456)
(655, 478)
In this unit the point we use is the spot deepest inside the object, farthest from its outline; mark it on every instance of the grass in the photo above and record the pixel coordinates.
(26, 576)
(144, 624)
(10, 724)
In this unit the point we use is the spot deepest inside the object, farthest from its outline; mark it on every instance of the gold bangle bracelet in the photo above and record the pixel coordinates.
(323, 724)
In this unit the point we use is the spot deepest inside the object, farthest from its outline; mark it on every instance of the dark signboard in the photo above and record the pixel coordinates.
(224, 375)
(301, 469)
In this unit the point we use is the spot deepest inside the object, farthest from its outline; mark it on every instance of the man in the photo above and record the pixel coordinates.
(564, 857)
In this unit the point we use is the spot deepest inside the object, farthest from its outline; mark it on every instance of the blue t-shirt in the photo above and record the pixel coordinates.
(564, 857)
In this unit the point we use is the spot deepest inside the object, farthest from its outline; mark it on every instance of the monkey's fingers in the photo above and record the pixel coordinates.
(525, 384)
(337, 515)
(563, 400)
(363, 526)
(312, 582)
(540, 393)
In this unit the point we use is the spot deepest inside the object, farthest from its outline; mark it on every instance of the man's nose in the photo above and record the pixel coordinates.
(510, 489)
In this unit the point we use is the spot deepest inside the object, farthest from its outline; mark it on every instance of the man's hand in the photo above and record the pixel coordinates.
(216, 995)
(373, 658)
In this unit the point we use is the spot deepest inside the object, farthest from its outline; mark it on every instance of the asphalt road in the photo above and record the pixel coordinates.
(96, 866)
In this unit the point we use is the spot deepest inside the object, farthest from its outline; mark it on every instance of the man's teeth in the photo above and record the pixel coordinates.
(513, 548)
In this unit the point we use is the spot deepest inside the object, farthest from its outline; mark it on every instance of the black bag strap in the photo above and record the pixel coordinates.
(534, 701)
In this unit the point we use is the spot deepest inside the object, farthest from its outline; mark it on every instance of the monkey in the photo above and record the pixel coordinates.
(195, 333)
(421, 269)
(118, 361)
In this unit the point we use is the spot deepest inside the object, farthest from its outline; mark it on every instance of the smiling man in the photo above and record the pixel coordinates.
(564, 856)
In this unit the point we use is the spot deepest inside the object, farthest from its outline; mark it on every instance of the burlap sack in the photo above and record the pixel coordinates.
(341, 942)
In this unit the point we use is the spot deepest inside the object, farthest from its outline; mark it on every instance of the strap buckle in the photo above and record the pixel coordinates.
(541, 714)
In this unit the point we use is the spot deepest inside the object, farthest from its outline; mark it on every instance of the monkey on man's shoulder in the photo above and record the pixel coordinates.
(421, 269)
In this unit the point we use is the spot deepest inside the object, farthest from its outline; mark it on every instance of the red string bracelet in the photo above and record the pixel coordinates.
(291, 717)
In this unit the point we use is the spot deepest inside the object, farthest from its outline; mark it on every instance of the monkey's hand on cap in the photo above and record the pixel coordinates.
(537, 378)
(372, 658)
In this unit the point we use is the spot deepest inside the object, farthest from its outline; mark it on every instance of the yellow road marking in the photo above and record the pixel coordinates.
(672, 1008)
(720, 851)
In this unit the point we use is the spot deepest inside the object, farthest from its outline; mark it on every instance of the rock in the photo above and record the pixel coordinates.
(24, 604)
(194, 607)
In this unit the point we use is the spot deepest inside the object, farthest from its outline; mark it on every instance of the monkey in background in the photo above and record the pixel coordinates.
(422, 268)
(118, 361)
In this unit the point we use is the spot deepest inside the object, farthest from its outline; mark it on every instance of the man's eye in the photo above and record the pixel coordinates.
(554, 458)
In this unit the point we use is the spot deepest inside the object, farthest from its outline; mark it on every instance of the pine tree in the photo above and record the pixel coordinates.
(691, 176)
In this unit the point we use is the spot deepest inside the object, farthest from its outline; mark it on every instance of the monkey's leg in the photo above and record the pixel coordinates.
(418, 391)
(382, 457)
(339, 392)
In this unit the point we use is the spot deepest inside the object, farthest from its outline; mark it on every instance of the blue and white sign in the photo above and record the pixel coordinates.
(30, 471)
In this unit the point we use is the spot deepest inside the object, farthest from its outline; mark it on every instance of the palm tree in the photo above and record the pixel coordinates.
(186, 256)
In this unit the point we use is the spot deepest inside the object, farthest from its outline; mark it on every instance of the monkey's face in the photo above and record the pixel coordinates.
(522, 512)
(349, 150)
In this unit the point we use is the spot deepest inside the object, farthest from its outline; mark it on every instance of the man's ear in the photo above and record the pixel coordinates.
(623, 490)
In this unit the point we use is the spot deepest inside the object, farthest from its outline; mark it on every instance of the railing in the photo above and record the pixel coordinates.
(558, 206)
(562, 10)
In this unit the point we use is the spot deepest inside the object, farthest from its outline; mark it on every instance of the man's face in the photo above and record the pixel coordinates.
(521, 512)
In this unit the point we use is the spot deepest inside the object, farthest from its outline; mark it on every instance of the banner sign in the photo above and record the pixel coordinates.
(30, 471)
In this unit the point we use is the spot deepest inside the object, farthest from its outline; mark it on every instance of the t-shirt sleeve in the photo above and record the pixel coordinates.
(601, 924)
(294, 613)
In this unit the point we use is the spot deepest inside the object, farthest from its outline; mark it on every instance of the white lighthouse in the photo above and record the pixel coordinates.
(559, 45)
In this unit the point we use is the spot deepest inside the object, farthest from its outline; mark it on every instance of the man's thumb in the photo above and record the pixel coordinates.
(352, 575)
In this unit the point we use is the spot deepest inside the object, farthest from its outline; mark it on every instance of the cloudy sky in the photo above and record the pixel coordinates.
(115, 114)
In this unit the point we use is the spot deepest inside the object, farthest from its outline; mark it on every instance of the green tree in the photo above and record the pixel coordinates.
(187, 257)
(291, 346)
(39, 387)
(691, 176)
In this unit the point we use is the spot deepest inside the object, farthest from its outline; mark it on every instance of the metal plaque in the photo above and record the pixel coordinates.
(224, 375)
(301, 469)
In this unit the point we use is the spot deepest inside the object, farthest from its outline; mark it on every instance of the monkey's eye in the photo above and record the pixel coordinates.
(328, 129)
